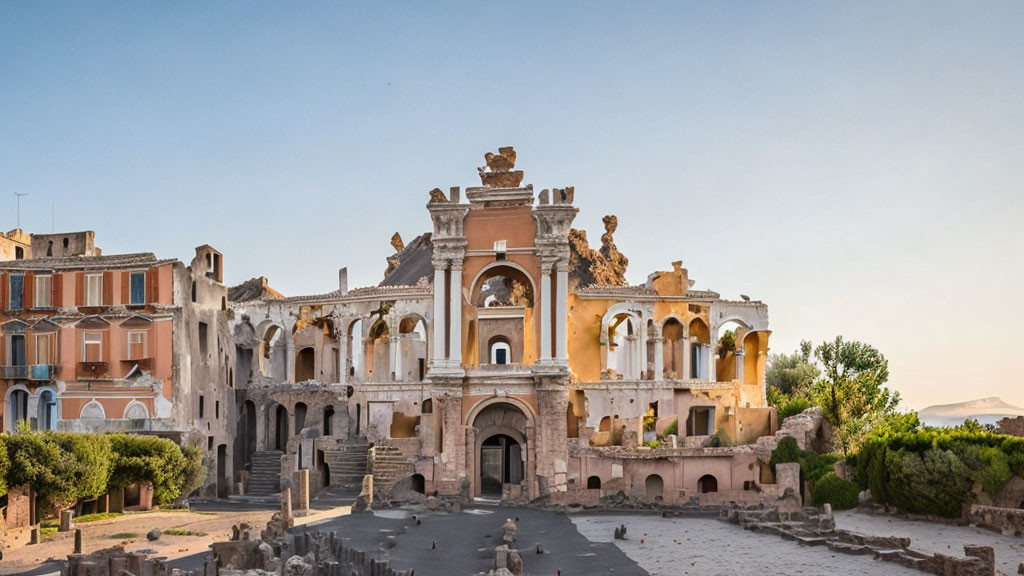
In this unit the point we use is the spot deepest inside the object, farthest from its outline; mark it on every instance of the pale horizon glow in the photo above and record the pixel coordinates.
(858, 166)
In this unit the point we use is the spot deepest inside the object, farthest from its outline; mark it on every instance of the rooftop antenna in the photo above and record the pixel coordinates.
(19, 195)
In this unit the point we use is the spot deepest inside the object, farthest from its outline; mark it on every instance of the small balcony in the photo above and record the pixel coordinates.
(144, 363)
(14, 372)
(43, 372)
(93, 369)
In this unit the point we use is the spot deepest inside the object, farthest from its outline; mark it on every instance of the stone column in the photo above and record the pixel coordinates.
(687, 345)
(393, 361)
(561, 318)
(289, 359)
(659, 358)
(642, 339)
(343, 356)
(456, 323)
(545, 312)
(739, 356)
(712, 368)
(397, 355)
(437, 346)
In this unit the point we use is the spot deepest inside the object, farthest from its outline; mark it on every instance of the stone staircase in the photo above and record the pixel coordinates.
(388, 466)
(348, 465)
(265, 478)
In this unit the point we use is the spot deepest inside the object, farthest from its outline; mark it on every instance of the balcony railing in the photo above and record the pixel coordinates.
(93, 369)
(12, 372)
(43, 372)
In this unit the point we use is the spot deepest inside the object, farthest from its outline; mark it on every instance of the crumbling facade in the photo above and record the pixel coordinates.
(503, 355)
(125, 342)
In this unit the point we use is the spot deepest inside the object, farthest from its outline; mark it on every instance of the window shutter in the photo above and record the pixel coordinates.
(105, 339)
(4, 303)
(28, 292)
(57, 287)
(152, 290)
(108, 288)
(79, 288)
(126, 290)
(30, 348)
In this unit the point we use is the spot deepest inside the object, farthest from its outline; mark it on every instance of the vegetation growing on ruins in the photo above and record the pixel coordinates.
(846, 378)
(933, 470)
(63, 468)
(814, 470)
(840, 494)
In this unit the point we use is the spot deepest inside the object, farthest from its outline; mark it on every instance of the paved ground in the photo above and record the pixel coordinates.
(934, 537)
(711, 547)
(465, 542)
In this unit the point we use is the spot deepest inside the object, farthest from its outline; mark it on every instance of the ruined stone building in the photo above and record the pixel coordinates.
(502, 355)
(125, 342)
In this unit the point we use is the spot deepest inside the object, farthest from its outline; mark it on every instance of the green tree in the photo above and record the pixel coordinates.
(793, 374)
(851, 390)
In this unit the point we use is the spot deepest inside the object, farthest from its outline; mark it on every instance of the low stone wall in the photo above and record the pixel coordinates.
(813, 527)
(1007, 521)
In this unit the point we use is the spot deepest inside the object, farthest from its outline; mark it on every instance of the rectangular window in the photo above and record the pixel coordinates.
(44, 292)
(138, 289)
(44, 350)
(17, 288)
(93, 289)
(202, 406)
(136, 346)
(92, 347)
(202, 339)
(17, 355)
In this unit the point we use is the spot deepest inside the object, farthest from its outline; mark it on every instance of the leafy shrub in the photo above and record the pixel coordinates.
(5, 466)
(89, 465)
(831, 489)
(40, 463)
(148, 459)
(813, 466)
(194, 473)
(793, 406)
(786, 452)
(719, 439)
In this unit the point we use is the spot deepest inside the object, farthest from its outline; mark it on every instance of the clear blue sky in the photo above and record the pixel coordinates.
(859, 165)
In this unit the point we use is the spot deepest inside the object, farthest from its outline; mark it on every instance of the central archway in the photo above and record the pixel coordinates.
(501, 451)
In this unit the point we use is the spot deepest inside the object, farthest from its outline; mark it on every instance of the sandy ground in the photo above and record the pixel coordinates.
(710, 547)
(934, 537)
(100, 534)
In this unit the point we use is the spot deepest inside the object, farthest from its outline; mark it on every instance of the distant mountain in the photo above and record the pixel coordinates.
(984, 410)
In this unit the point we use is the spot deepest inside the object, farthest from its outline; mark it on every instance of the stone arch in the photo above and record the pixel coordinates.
(413, 348)
(654, 487)
(699, 334)
(93, 410)
(305, 364)
(510, 422)
(272, 351)
(136, 410)
(488, 271)
(16, 402)
(377, 352)
(594, 483)
(707, 483)
(674, 348)
(47, 408)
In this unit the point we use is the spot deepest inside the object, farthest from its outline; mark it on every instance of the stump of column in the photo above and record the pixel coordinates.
(66, 518)
(286, 506)
(302, 482)
(78, 540)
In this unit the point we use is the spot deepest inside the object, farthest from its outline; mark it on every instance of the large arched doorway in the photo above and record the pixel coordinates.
(501, 455)
(305, 364)
(501, 462)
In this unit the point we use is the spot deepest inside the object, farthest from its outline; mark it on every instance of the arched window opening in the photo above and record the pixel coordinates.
(329, 421)
(17, 409)
(281, 425)
(707, 483)
(47, 410)
(500, 350)
(623, 357)
(378, 352)
(700, 347)
(728, 351)
(272, 353)
(594, 483)
(300, 417)
(504, 299)
(411, 359)
(427, 407)
(673, 349)
(305, 364)
(654, 486)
